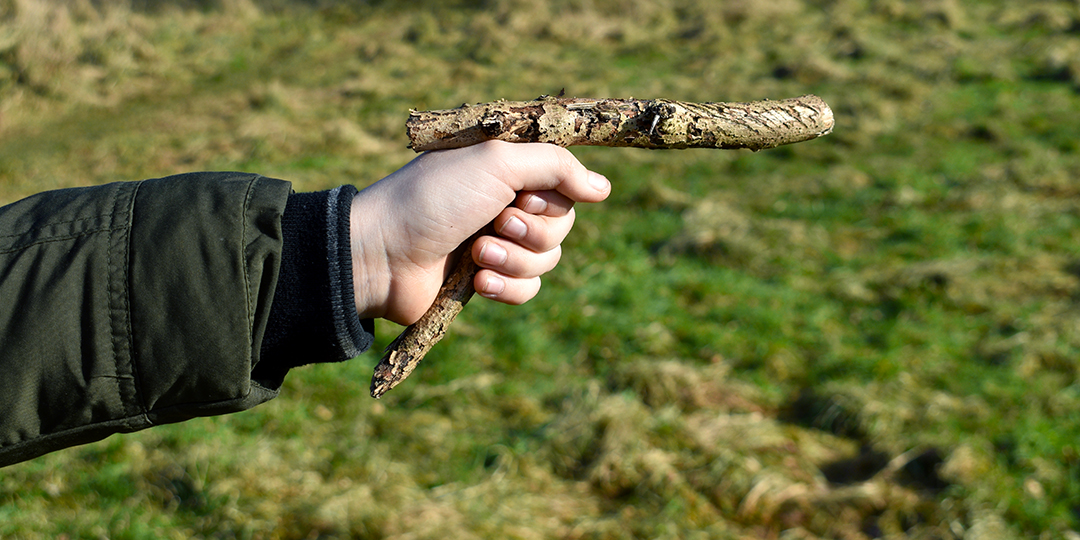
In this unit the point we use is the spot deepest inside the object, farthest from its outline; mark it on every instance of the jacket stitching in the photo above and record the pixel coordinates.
(249, 304)
(19, 247)
(129, 215)
(68, 222)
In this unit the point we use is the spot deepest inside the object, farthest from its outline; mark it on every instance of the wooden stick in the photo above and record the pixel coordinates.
(655, 124)
(410, 347)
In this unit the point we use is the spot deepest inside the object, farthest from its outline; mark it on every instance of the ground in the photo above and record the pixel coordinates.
(871, 335)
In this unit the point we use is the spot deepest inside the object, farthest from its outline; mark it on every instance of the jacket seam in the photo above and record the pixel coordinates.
(51, 224)
(249, 308)
(129, 336)
(20, 247)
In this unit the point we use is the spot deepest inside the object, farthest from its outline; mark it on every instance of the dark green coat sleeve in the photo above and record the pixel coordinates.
(132, 304)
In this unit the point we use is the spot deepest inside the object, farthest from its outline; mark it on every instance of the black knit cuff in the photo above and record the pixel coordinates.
(313, 315)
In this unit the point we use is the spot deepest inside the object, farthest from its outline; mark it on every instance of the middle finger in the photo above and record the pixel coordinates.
(538, 233)
(544, 203)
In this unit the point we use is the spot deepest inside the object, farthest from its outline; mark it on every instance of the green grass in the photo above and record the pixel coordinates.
(869, 335)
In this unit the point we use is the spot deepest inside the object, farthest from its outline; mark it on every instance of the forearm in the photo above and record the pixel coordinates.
(135, 304)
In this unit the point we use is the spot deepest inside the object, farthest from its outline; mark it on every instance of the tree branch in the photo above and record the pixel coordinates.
(656, 123)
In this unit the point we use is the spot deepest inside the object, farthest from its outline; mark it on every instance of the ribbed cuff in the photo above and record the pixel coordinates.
(313, 314)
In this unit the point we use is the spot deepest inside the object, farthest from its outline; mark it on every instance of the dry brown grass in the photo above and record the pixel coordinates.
(871, 336)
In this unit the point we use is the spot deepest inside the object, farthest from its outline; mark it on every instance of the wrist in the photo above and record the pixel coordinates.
(370, 264)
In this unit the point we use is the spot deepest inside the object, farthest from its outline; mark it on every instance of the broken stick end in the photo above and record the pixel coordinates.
(385, 379)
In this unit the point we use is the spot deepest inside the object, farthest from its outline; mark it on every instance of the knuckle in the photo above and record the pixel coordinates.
(555, 256)
(498, 155)
(569, 166)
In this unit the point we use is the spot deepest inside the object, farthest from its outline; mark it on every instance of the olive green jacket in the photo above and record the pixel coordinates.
(132, 304)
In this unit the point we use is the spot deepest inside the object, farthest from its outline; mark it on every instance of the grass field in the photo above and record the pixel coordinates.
(871, 335)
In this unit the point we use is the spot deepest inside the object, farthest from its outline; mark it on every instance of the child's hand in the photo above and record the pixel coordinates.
(406, 227)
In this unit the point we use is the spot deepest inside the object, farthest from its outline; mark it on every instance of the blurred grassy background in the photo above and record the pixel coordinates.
(872, 335)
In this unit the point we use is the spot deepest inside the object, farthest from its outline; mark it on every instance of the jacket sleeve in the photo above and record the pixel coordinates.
(132, 304)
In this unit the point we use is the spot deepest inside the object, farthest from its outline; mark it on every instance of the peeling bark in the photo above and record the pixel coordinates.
(654, 124)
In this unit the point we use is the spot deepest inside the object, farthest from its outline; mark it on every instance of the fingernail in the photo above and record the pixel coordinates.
(598, 181)
(493, 286)
(514, 228)
(535, 205)
(492, 254)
